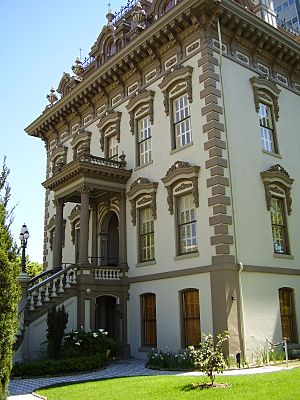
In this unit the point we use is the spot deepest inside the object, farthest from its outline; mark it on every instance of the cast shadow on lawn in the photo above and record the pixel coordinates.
(204, 385)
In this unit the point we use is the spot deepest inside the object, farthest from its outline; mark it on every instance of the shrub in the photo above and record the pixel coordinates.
(80, 343)
(57, 320)
(57, 367)
(208, 357)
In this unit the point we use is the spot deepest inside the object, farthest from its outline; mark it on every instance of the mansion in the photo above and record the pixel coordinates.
(172, 186)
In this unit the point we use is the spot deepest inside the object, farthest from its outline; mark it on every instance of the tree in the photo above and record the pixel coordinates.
(9, 287)
(57, 319)
(209, 358)
(33, 268)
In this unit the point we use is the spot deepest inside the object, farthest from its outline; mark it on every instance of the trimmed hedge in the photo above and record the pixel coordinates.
(58, 367)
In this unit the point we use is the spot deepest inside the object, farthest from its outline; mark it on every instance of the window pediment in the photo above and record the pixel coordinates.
(142, 193)
(276, 180)
(175, 82)
(181, 177)
(139, 106)
(81, 143)
(265, 88)
(109, 125)
(58, 158)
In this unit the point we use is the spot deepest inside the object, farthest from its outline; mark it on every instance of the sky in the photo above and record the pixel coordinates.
(40, 39)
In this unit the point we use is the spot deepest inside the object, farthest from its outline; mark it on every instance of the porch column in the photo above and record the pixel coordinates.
(122, 231)
(94, 210)
(58, 239)
(84, 226)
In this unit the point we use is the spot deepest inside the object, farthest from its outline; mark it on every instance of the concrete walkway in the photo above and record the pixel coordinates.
(21, 389)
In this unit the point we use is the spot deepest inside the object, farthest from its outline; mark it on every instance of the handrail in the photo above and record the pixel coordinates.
(89, 158)
(35, 278)
(51, 278)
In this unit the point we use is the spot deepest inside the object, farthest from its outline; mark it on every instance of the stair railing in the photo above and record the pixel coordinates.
(52, 286)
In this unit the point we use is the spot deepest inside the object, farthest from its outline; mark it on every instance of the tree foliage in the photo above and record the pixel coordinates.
(57, 319)
(9, 287)
(209, 357)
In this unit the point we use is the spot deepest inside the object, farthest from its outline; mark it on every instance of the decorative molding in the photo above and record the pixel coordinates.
(278, 176)
(139, 105)
(174, 79)
(138, 195)
(262, 85)
(181, 172)
(58, 158)
(81, 143)
(110, 125)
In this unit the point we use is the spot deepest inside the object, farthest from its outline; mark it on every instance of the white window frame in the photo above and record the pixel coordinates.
(182, 128)
(186, 224)
(146, 233)
(144, 140)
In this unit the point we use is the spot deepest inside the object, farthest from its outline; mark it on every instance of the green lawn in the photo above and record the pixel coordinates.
(283, 385)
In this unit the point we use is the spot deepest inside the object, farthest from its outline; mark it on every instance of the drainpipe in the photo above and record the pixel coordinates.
(241, 266)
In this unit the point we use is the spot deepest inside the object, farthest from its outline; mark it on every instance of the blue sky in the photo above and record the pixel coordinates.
(40, 40)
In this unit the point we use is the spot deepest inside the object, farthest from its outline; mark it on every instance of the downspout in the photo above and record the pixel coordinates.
(241, 266)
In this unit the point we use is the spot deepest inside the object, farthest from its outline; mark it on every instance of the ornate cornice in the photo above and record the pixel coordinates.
(142, 192)
(234, 18)
(109, 125)
(181, 177)
(277, 176)
(175, 82)
(89, 167)
(262, 84)
(141, 104)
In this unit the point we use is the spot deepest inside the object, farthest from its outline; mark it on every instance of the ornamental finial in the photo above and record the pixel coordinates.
(52, 96)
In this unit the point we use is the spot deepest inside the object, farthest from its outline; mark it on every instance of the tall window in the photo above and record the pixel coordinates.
(191, 317)
(182, 121)
(279, 228)
(187, 224)
(144, 141)
(267, 128)
(113, 148)
(287, 315)
(148, 305)
(146, 234)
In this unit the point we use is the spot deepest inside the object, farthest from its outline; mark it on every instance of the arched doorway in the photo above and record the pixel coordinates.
(107, 316)
(110, 240)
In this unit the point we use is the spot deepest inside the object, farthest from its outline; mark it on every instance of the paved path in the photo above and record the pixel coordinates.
(21, 389)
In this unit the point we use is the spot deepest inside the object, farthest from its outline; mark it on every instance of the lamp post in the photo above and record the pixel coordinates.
(24, 236)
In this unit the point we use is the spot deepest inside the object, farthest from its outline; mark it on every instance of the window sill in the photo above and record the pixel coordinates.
(145, 263)
(187, 255)
(143, 165)
(181, 148)
(147, 349)
(270, 153)
(284, 256)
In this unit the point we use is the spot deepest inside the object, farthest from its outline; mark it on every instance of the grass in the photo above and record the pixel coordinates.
(282, 385)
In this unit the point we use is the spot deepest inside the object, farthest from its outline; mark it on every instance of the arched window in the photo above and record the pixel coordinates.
(148, 314)
(287, 314)
(167, 6)
(191, 333)
(110, 48)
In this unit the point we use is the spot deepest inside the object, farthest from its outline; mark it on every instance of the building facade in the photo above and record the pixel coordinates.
(288, 13)
(172, 186)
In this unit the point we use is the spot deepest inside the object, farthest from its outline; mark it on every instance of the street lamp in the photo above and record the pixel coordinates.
(24, 235)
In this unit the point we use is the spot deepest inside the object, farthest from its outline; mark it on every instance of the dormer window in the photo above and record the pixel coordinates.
(167, 6)
(110, 48)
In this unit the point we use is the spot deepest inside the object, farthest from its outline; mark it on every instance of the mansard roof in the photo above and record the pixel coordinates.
(161, 30)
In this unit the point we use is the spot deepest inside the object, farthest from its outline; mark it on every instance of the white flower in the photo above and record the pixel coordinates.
(77, 343)
(95, 334)
(105, 333)
(101, 330)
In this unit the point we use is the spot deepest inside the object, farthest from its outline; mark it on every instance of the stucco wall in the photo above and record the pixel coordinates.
(167, 310)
